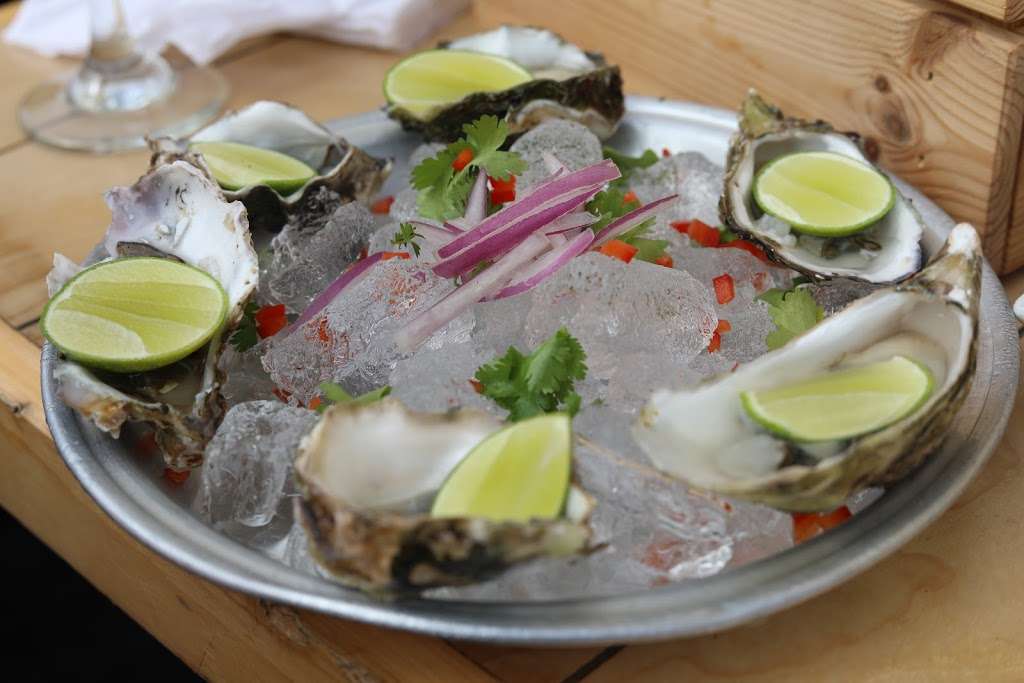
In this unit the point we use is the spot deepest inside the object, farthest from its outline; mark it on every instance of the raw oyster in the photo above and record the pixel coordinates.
(175, 212)
(367, 474)
(887, 252)
(340, 166)
(703, 437)
(569, 84)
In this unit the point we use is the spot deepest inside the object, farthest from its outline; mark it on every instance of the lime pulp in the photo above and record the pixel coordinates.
(235, 166)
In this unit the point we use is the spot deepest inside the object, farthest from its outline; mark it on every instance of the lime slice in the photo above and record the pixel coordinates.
(518, 473)
(134, 314)
(235, 166)
(843, 403)
(823, 193)
(427, 80)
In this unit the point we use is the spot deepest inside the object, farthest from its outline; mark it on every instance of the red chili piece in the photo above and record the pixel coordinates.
(725, 288)
(270, 320)
(619, 249)
(387, 255)
(807, 525)
(462, 160)
(664, 260)
(176, 477)
(703, 234)
(382, 205)
(682, 227)
(630, 198)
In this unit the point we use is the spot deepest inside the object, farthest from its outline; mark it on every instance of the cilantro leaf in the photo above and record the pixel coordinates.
(542, 382)
(627, 164)
(246, 335)
(792, 312)
(609, 204)
(406, 237)
(443, 191)
(649, 250)
(334, 393)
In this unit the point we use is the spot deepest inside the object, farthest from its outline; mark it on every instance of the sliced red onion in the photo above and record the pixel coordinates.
(454, 227)
(597, 174)
(499, 242)
(432, 233)
(570, 221)
(462, 298)
(631, 219)
(476, 205)
(351, 275)
(547, 265)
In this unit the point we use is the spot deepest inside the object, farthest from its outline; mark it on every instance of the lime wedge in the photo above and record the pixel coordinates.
(518, 473)
(823, 193)
(843, 403)
(427, 80)
(134, 314)
(235, 166)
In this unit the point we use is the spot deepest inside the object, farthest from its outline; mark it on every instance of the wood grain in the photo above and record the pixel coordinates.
(937, 91)
(1005, 11)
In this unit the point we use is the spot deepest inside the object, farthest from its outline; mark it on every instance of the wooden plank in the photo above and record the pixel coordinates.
(1005, 11)
(220, 633)
(937, 91)
(1013, 257)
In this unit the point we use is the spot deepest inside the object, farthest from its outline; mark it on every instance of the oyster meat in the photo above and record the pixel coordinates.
(569, 83)
(702, 435)
(887, 252)
(367, 474)
(340, 167)
(175, 212)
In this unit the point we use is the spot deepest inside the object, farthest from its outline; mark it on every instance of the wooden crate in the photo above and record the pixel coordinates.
(938, 91)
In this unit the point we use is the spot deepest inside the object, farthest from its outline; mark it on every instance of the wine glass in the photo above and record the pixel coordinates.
(120, 95)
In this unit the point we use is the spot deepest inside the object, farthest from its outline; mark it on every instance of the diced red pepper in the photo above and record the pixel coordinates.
(748, 247)
(725, 288)
(807, 525)
(282, 394)
(315, 403)
(666, 152)
(619, 249)
(270, 320)
(477, 385)
(682, 227)
(363, 253)
(503, 195)
(462, 160)
(323, 333)
(382, 205)
(664, 260)
(703, 234)
(176, 477)
(630, 198)
(723, 326)
(387, 255)
(499, 184)
(716, 342)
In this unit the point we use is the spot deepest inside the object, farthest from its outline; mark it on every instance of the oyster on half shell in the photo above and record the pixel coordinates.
(174, 212)
(887, 252)
(569, 83)
(703, 436)
(340, 166)
(367, 476)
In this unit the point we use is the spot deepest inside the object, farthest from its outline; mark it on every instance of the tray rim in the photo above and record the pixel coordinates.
(686, 609)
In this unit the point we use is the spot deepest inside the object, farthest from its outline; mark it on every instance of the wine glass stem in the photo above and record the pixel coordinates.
(110, 40)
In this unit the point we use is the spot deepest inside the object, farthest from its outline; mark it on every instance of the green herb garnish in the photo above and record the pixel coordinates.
(628, 164)
(331, 393)
(792, 311)
(406, 237)
(246, 336)
(443, 191)
(542, 382)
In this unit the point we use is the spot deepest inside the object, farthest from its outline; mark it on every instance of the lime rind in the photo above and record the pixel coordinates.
(236, 166)
(826, 231)
(422, 108)
(460, 494)
(757, 412)
(139, 363)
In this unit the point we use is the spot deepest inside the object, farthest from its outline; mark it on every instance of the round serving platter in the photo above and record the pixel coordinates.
(131, 491)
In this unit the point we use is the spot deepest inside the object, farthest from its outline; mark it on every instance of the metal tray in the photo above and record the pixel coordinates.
(133, 494)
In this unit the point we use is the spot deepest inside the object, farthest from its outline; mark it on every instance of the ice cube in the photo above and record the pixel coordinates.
(571, 143)
(696, 180)
(438, 379)
(352, 340)
(246, 475)
(307, 257)
(404, 206)
(244, 376)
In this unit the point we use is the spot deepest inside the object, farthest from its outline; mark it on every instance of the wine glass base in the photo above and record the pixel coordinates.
(49, 116)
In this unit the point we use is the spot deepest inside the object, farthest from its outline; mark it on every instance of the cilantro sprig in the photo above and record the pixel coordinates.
(542, 382)
(246, 335)
(443, 190)
(406, 237)
(793, 311)
(331, 393)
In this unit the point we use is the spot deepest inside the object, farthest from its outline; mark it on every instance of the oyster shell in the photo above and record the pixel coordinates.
(569, 84)
(340, 166)
(174, 211)
(887, 252)
(367, 474)
(703, 437)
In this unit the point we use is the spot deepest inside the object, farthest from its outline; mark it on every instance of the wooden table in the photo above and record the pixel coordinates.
(948, 606)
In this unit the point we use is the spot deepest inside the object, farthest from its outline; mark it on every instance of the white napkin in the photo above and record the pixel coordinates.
(205, 29)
